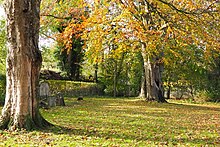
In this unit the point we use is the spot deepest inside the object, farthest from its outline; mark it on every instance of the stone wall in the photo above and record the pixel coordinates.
(71, 88)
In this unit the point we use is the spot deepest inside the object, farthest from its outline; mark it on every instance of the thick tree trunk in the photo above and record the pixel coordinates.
(23, 66)
(153, 79)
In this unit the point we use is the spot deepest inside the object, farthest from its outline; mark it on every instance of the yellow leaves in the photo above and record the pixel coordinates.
(130, 26)
(117, 53)
(176, 54)
(169, 30)
(190, 5)
(72, 31)
(97, 2)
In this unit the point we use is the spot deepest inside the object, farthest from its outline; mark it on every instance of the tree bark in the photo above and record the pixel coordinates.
(23, 66)
(96, 73)
(115, 78)
(143, 91)
(153, 78)
(168, 92)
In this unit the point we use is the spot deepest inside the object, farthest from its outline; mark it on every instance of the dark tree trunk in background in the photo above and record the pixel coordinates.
(23, 66)
(72, 58)
(168, 92)
(96, 73)
(115, 79)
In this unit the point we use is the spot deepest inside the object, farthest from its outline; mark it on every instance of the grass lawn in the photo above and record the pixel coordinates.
(123, 122)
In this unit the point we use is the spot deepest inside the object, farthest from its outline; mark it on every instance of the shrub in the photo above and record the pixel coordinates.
(2, 87)
(202, 96)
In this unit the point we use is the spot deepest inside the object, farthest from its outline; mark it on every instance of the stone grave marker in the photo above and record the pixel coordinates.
(45, 95)
(44, 89)
(46, 100)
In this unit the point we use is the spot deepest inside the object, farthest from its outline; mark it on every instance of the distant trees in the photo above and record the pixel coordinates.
(65, 20)
(3, 52)
(183, 73)
(164, 35)
(213, 80)
(70, 60)
(155, 29)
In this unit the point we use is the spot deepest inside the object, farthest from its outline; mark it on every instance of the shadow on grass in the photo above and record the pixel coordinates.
(138, 101)
(178, 105)
(129, 108)
(194, 106)
(156, 138)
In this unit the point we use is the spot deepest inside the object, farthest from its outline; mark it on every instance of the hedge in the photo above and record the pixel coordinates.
(2, 88)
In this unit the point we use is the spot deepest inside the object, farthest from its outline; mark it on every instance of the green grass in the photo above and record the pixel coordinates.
(123, 122)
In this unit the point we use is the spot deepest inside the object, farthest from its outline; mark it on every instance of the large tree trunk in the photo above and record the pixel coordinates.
(23, 66)
(153, 78)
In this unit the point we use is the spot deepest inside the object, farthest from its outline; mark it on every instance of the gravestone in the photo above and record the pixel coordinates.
(46, 100)
(60, 100)
(44, 89)
(45, 95)
(51, 101)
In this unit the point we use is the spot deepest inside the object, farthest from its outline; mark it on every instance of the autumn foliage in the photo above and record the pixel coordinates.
(162, 31)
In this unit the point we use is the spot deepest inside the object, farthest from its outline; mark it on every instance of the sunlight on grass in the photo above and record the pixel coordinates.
(123, 122)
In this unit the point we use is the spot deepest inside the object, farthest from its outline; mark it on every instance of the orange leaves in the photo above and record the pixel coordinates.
(72, 31)
(125, 23)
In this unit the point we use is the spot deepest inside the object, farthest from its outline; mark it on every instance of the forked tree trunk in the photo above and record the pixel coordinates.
(23, 66)
(153, 79)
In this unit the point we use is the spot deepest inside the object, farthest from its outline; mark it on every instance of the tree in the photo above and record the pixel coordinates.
(2, 46)
(183, 72)
(157, 27)
(161, 26)
(65, 20)
(49, 60)
(125, 36)
(71, 59)
(152, 28)
(213, 78)
(23, 65)
(2, 59)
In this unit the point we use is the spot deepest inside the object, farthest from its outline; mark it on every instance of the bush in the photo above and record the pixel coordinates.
(202, 96)
(207, 96)
(2, 88)
(214, 95)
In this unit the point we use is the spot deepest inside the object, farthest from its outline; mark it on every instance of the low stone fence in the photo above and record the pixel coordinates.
(75, 89)
(52, 92)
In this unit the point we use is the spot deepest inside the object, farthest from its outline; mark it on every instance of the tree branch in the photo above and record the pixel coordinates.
(190, 12)
(175, 8)
(57, 17)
